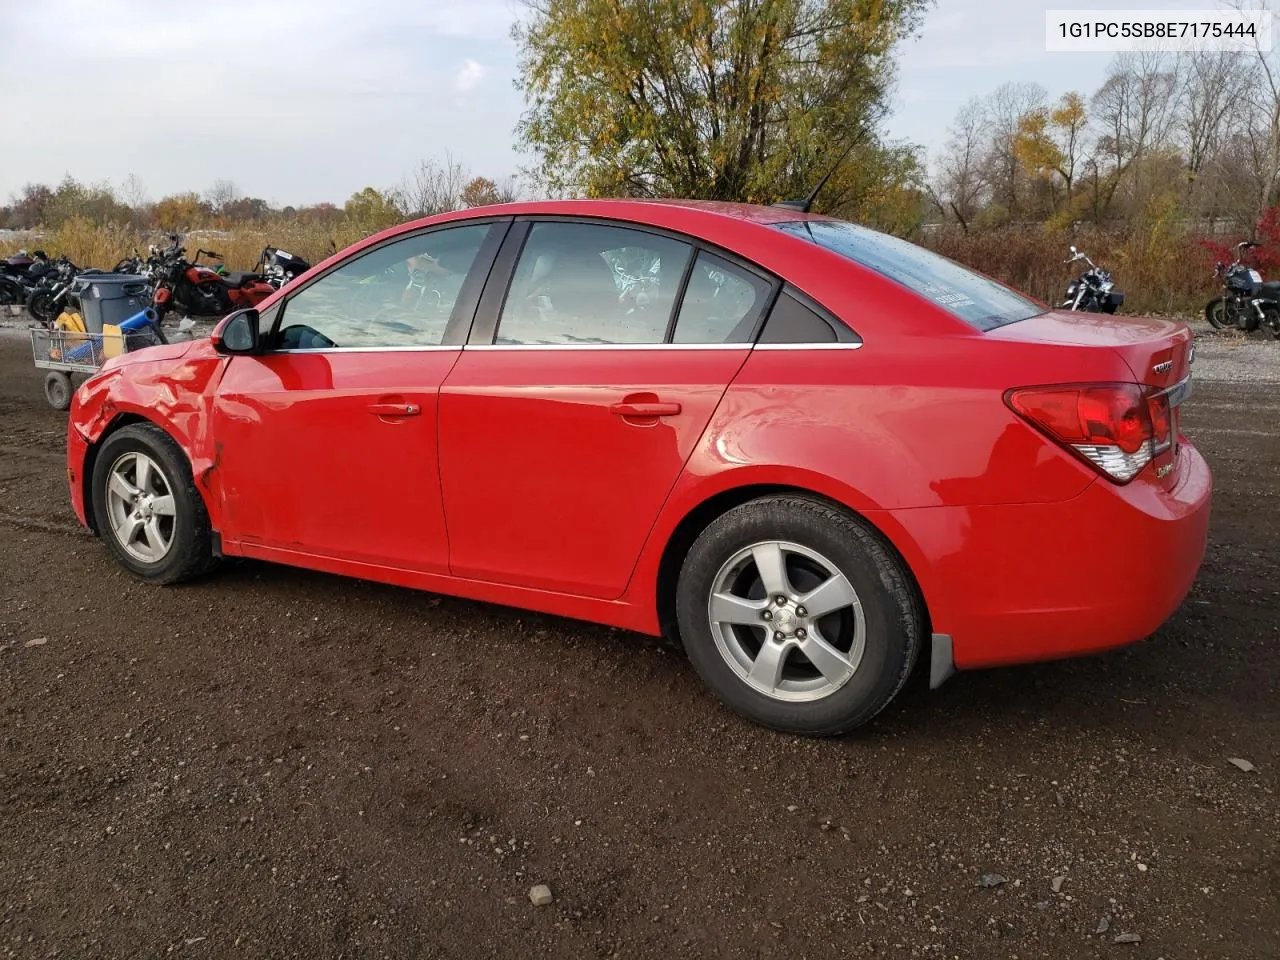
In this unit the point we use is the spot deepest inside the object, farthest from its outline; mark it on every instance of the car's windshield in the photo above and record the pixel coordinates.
(973, 298)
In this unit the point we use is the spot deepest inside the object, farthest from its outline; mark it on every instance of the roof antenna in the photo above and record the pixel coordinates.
(805, 205)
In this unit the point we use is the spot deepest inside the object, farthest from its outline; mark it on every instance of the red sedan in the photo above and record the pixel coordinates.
(814, 452)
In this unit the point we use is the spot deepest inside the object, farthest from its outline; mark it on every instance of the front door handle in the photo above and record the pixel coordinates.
(394, 409)
(652, 409)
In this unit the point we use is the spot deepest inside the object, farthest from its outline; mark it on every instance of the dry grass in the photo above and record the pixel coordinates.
(103, 246)
(1159, 274)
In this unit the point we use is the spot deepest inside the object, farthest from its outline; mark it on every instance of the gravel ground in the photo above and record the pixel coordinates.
(276, 763)
(1235, 357)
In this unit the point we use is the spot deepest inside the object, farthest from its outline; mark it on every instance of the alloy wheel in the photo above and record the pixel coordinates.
(787, 621)
(140, 507)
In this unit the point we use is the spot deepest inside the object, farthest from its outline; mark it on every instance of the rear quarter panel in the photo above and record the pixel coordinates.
(909, 422)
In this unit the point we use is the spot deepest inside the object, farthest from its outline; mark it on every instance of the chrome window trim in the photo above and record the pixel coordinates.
(809, 346)
(439, 348)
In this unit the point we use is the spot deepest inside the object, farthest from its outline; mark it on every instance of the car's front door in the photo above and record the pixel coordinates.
(563, 431)
(326, 441)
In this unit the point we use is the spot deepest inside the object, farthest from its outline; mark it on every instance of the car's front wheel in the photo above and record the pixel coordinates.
(148, 510)
(798, 616)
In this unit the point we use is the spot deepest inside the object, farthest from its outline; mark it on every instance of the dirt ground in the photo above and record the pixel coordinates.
(276, 763)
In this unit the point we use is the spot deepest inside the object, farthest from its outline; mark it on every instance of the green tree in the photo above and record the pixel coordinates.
(715, 99)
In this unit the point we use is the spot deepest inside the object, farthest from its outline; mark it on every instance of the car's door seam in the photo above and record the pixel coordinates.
(662, 508)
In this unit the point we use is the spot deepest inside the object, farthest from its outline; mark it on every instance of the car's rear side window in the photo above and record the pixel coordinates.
(975, 299)
(796, 319)
(722, 303)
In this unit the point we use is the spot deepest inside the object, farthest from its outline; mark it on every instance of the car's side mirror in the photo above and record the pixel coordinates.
(237, 333)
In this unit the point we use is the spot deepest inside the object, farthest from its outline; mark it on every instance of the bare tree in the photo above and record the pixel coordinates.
(1263, 119)
(435, 187)
(1136, 109)
(134, 192)
(1006, 109)
(222, 194)
(1215, 82)
(959, 188)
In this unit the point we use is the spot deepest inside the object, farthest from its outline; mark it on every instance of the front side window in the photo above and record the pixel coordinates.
(975, 299)
(590, 284)
(401, 294)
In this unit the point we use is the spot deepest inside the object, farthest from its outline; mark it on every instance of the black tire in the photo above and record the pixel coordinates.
(12, 293)
(57, 390)
(1271, 320)
(894, 617)
(1215, 311)
(190, 554)
(44, 306)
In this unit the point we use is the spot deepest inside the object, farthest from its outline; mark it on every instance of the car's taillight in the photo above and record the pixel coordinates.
(1117, 427)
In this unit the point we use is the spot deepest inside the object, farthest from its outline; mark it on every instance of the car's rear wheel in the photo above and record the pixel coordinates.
(798, 616)
(148, 510)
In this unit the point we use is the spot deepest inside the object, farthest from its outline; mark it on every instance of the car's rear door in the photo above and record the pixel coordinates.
(599, 353)
(326, 442)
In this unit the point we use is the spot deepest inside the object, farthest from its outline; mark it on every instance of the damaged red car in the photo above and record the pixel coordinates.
(818, 455)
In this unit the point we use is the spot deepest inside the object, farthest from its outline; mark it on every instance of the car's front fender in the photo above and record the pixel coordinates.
(169, 386)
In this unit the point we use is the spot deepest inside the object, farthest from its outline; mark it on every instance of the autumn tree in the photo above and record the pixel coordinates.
(27, 209)
(181, 212)
(716, 99)
(372, 209)
(480, 192)
(1050, 143)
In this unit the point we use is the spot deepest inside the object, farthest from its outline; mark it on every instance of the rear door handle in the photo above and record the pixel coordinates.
(394, 409)
(653, 409)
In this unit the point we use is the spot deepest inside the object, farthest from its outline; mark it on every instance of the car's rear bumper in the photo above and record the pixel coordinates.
(77, 453)
(1019, 583)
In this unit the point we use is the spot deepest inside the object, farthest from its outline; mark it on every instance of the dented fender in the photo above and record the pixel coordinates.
(169, 386)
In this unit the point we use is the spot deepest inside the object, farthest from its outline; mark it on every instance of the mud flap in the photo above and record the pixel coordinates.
(942, 664)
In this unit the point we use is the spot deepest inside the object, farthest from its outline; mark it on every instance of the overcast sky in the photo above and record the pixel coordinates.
(299, 101)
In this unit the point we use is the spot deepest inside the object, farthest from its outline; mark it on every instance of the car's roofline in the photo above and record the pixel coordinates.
(638, 210)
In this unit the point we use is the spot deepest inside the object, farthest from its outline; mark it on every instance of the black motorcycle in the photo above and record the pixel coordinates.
(1093, 291)
(279, 266)
(19, 275)
(53, 288)
(1247, 302)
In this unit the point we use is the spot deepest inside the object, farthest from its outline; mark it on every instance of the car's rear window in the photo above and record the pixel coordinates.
(975, 299)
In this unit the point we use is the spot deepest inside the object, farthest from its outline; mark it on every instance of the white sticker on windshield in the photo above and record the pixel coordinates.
(954, 300)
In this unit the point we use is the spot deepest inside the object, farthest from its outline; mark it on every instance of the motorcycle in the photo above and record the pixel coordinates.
(1093, 291)
(201, 291)
(49, 294)
(1247, 301)
(279, 266)
(18, 276)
